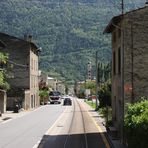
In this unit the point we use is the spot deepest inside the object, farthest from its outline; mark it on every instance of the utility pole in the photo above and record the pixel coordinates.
(122, 73)
(97, 72)
(132, 63)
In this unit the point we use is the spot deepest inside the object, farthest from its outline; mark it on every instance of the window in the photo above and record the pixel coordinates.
(34, 81)
(114, 62)
(114, 36)
(119, 32)
(36, 65)
(31, 63)
(115, 107)
(119, 60)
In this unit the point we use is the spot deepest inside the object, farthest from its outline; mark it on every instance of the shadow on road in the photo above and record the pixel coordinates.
(94, 140)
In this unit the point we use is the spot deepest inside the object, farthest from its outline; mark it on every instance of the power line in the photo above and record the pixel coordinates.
(71, 3)
(17, 64)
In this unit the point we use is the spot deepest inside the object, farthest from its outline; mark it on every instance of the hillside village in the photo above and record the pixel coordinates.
(129, 82)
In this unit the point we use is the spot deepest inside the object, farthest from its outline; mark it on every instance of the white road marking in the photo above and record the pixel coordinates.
(59, 118)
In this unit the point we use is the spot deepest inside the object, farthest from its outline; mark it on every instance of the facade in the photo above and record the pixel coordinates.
(46, 81)
(43, 80)
(2, 92)
(129, 61)
(23, 72)
(61, 87)
(51, 83)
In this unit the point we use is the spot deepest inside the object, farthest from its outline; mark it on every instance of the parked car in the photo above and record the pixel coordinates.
(89, 98)
(67, 101)
(55, 97)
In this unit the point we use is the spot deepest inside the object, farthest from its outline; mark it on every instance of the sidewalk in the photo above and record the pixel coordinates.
(9, 115)
(114, 143)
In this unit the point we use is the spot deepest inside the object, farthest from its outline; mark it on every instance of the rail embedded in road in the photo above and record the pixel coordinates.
(74, 129)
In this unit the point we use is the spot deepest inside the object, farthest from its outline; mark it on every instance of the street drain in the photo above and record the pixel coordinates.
(60, 126)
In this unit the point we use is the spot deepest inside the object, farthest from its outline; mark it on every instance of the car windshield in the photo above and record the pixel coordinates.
(54, 93)
(67, 98)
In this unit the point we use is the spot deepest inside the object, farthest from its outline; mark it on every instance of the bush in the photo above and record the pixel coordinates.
(136, 125)
(43, 96)
(105, 94)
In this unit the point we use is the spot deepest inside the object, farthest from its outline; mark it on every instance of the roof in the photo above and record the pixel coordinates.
(115, 20)
(33, 45)
(2, 44)
(7, 38)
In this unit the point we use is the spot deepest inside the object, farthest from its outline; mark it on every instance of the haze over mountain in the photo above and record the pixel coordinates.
(69, 31)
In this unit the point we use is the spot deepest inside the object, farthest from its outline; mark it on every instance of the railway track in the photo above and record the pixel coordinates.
(74, 129)
(77, 108)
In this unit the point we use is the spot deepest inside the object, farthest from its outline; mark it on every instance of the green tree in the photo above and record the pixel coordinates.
(44, 96)
(3, 60)
(105, 94)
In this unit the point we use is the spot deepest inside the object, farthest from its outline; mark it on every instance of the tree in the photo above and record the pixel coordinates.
(105, 94)
(3, 61)
(44, 94)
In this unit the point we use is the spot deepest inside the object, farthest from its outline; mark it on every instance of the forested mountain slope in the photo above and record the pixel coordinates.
(69, 31)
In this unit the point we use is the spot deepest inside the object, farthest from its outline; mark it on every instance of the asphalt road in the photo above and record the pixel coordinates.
(26, 131)
(74, 129)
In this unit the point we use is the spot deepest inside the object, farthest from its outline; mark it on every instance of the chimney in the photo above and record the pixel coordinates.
(29, 38)
(25, 37)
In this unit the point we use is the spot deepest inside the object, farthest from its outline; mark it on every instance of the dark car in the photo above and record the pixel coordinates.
(67, 101)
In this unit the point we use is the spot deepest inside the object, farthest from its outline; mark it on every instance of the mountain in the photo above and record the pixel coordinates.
(69, 31)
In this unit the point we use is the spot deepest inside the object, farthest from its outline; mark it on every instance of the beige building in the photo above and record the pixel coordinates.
(22, 71)
(46, 81)
(129, 61)
(52, 83)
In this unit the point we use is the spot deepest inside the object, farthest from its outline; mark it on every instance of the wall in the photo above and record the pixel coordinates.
(34, 74)
(18, 52)
(136, 48)
(135, 62)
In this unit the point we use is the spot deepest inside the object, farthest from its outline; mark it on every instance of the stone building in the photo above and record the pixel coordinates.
(129, 61)
(51, 83)
(46, 81)
(22, 71)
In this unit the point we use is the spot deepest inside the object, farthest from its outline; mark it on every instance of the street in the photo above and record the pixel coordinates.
(25, 131)
(54, 126)
(74, 129)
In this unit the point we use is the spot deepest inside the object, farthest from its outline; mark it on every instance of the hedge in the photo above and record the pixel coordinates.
(136, 125)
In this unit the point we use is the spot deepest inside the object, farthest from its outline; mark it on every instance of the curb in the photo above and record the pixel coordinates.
(109, 140)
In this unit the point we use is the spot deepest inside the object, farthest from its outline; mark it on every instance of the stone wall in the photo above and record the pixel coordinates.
(135, 61)
(136, 47)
